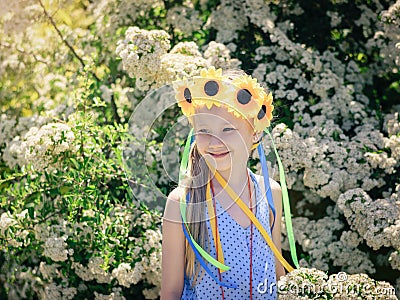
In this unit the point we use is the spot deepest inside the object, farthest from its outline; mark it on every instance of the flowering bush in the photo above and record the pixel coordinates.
(72, 72)
(314, 284)
(68, 226)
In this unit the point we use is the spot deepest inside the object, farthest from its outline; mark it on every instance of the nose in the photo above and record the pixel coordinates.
(216, 142)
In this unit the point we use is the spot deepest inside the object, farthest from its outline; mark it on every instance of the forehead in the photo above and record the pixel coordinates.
(218, 115)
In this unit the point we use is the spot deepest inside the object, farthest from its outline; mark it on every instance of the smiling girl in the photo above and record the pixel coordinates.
(221, 225)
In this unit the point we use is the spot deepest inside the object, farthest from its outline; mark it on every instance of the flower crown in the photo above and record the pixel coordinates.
(242, 96)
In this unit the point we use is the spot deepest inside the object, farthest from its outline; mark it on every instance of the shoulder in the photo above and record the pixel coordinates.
(275, 186)
(172, 209)
(275, 189)
(176, 194)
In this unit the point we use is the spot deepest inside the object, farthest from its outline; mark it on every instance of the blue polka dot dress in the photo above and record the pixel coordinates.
(235, 241)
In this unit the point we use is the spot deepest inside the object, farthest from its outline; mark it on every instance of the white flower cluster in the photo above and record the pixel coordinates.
(394, 259)
(115, 295)
(6, 129)
(52, 291)
(11, 137)
(126, 276)
(183, 60)
(218, 55)
(319, 238)
(329, 167)
(336, 19)
(55, 248)
(387, 38)
(93, 271)
(228, 18)
(11, 229)
(43, 231)
(184, 19)
(303, 284)
(39, 146)
(149, 266)
(377, 221)
(152, 261)
(299, 278)
(6, 221)
(153, 240)
(49, 272)
(259, 14)
(141, 54)
(152, 293)
(145, 57)
(392, 122)
(152, 274)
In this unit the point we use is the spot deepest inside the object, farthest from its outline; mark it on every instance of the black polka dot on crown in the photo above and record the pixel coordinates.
(243, 96)
(211, 88)
(187, 95)
(262, 112)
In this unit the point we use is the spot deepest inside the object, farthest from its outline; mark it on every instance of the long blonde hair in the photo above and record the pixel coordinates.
(196, 217)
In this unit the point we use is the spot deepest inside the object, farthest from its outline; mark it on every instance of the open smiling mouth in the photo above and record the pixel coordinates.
(218, 155)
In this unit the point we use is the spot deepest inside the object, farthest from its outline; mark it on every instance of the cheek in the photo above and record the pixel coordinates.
(243, 140)
(202, 140)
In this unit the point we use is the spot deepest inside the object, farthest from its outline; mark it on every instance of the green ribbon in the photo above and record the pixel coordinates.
(182, 172)
(286, 205)
(185, 156)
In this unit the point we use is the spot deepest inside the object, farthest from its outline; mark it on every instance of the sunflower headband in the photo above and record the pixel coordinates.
(242, 96)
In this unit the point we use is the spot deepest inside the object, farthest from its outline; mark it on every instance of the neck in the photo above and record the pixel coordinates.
(237, 180)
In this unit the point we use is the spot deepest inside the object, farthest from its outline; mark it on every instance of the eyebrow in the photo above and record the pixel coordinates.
(225, 123)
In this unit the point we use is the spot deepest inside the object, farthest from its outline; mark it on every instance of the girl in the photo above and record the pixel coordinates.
(218, 223)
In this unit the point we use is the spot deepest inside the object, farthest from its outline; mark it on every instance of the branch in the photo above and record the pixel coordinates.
(114, 107)
(64, 40)
(22, 51)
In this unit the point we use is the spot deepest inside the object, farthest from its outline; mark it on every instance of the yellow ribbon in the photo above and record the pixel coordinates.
(214, 229)
(253, 218)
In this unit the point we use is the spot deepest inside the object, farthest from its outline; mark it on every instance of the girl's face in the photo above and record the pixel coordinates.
(222, 139)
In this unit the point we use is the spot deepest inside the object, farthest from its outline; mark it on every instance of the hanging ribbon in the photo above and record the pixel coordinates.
(267, 187)
(185, 156)
(252, 217)
(199, 252)
(286, 205)
(214, 226)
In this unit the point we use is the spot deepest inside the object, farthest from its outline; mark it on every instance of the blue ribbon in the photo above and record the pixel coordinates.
(268, 192)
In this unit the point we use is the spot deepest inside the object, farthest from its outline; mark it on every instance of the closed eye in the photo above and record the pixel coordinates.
(228, 129)
(203, 131)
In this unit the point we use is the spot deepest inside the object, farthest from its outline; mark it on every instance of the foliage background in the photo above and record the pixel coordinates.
(71, 74)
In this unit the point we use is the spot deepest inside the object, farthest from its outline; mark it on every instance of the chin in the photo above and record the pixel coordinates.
(219, 164)
(223, 168)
